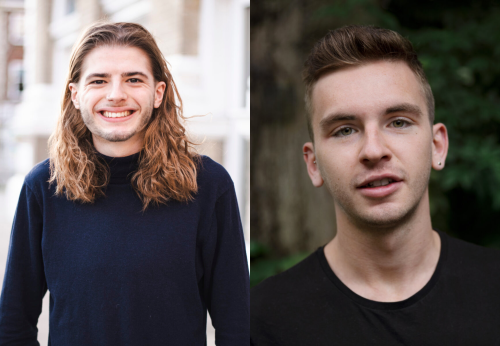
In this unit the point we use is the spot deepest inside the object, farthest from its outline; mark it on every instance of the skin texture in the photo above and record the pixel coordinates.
(370, 121)
(114, 91)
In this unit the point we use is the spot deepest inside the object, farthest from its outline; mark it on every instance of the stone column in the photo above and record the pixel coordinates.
(165, 23)
(37, 59)
(89, 10)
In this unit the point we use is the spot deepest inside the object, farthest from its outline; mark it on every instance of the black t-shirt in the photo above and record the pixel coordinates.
(309, 305)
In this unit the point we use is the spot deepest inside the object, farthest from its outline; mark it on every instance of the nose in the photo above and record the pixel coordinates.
(374, 147)
(117, 93)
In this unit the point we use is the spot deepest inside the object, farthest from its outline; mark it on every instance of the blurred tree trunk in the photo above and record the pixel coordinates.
(288, 213)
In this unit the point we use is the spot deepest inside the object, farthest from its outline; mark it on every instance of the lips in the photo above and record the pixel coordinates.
(379, 180)
(116, 114)
(379, 186)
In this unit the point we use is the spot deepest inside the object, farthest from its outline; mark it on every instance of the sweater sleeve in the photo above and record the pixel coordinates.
(24, 283)
(227, 279)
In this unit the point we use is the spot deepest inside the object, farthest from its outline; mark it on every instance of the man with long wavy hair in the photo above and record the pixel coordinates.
(133, 234)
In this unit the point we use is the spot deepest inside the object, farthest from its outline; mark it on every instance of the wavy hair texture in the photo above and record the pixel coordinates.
(167, 164)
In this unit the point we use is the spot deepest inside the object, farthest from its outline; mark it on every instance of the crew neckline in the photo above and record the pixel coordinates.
(121, 168)
(387, 305)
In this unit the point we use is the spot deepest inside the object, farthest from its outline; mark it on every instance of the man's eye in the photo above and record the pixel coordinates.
(399, 123)
(97, 82)
(345, 131)
(134, 80)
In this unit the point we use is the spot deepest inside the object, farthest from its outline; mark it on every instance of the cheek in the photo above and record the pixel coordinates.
(90, 98)
(415, 158)
(337, 166)
(416, 150)
(142, 96)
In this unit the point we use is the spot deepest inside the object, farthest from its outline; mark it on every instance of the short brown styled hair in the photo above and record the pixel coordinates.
(355, 45)
(167, 165)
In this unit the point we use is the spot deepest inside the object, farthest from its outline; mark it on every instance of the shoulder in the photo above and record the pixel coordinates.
(470, 266)
(212, 176)
(288, 302)
(288, 287)
(470, 256)
(39, 176)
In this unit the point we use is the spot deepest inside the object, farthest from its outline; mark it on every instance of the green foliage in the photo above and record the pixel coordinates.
(356, 12)
(460, 57)
(265, 265)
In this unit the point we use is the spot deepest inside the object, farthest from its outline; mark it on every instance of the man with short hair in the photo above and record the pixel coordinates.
(387, 278)
(134, 235)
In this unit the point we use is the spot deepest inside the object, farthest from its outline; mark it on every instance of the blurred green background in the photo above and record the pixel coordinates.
(458, 43)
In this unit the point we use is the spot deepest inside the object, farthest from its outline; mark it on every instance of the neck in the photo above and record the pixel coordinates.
(119, 149)
(389, 264)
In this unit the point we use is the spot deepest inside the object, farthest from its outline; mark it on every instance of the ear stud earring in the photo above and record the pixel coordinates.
(439, 163)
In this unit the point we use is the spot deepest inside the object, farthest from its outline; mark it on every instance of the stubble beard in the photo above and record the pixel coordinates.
(385, 216)
(115, 136)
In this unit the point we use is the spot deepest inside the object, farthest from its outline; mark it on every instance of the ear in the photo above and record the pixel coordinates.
(312, 164)
(439, 146)
(159, 91)
(74, 92)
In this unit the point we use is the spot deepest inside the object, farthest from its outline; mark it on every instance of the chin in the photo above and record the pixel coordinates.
(381, 223)
(385, 218)
(117, 137)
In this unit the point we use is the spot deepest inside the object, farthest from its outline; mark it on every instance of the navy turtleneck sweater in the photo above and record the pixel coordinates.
(120, 276)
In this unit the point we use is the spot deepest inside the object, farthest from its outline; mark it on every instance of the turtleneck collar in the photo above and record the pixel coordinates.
(121, 168)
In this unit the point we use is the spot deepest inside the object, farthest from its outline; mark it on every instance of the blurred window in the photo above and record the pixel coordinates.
(15, 80)
(70, 6)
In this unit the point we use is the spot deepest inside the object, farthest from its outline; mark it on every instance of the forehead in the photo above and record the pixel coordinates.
(366, 90)
(116, 59)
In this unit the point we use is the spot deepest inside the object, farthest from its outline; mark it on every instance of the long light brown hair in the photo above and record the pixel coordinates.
(167, 165)
(356, 45)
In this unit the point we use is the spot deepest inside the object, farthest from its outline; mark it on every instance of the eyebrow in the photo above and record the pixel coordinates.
(124, 74)
(326, 122)
(130, 74)
(405, 108)
(333, 118)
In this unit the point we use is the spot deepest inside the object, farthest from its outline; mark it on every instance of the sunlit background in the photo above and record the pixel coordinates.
(206, 43)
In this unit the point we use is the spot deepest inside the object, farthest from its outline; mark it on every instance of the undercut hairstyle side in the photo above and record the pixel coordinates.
(167, 164)
(357, 45)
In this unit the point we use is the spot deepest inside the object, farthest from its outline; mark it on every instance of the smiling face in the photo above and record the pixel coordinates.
(116, 95)
(374, 144)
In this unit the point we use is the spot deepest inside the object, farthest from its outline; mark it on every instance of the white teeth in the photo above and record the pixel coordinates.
(116, 114)
(383, 182)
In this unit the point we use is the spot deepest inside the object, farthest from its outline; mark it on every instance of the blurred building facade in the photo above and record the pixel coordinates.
(11, 76)
(206, 43)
